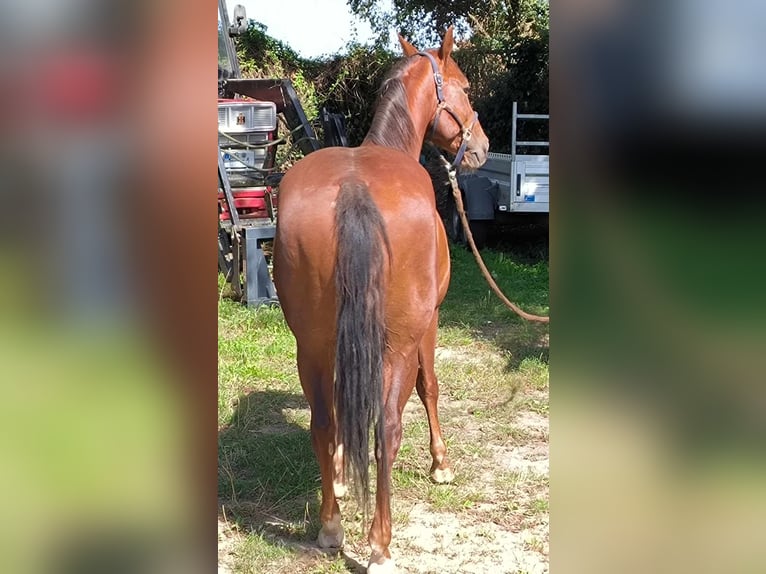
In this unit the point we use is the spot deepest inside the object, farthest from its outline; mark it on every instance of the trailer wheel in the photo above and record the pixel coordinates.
(454, 225)
(480, 231)
(479, 228)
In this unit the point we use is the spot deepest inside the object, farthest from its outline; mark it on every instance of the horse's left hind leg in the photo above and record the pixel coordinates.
(317, 383)
(428, 391)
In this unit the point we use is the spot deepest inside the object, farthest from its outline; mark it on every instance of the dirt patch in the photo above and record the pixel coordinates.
(503, 526)
(447, 543)
(228, 540)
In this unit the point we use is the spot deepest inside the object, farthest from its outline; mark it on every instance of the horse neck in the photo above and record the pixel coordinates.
(420, 104)
(422, 99)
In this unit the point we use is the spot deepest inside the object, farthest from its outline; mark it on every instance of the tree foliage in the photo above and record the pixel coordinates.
(261, 56)
(503, 51)
(349, 85)
(343, 83)
(425, 20)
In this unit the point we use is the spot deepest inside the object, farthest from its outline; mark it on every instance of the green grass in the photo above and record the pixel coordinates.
(451, 497)
(256, 555)
(255, 348)
(266, 464)
(539, 505)
(491, 366)
(332, 567)
(472, 313)
(470, 301)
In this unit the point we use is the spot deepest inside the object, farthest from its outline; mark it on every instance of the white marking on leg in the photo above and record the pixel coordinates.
(338, 483)
(381, 566)
(339, 489)
(442, 476)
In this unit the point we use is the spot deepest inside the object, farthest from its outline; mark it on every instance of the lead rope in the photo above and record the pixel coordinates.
(461, 211)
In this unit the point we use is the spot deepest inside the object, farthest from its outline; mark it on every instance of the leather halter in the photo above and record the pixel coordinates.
(444, 106)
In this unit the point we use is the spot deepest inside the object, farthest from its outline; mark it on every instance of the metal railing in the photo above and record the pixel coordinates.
(517, 116)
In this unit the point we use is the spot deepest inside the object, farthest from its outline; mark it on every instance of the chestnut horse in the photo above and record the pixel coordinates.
(361, 265)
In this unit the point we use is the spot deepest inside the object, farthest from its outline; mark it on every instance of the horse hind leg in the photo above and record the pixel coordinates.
(379, 537)
(331, 533)
(428, 391)
(399, 391)
(317, 383)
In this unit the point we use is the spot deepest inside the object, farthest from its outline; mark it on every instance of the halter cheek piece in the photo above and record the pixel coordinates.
(444, 106)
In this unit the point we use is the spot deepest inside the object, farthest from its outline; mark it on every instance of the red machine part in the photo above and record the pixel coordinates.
(250, 203)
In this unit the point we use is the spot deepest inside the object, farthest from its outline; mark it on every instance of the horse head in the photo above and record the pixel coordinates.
(455, 126)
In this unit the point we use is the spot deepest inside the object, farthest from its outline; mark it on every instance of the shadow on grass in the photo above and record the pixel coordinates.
(527, 243)
(267, 472)
(268, 476)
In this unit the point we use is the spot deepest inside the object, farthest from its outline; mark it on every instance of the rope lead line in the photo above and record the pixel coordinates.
(464, 219)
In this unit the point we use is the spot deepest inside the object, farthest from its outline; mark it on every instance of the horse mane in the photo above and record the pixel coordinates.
(391, 124)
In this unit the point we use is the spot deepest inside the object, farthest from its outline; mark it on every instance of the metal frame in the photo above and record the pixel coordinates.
(258, 288)
(515, 182)
(230, 49)
(248, 271)
(518, 116)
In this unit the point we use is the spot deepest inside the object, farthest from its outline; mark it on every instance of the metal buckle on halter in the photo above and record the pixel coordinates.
(439, 79)
(468, 130)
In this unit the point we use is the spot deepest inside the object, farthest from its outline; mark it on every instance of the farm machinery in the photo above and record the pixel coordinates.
(249, 111)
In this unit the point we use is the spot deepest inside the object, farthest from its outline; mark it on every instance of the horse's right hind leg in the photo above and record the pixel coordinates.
(317, 382)
(428, 391)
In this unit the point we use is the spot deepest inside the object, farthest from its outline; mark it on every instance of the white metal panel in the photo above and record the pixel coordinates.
(251, 157)
(247, 116)
(533, 196)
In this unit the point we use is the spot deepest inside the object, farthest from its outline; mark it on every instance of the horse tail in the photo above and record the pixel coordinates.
(361, 329)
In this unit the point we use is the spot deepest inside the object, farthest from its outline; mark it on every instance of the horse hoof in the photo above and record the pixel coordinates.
(442, 475)
(331, 534)
(381, 566)
(330, 539)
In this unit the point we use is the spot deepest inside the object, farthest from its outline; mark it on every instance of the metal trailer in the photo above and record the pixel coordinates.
(507, 185)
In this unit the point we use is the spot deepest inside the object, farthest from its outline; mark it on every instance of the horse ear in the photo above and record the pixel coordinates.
(446, 48)
(408, 48)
